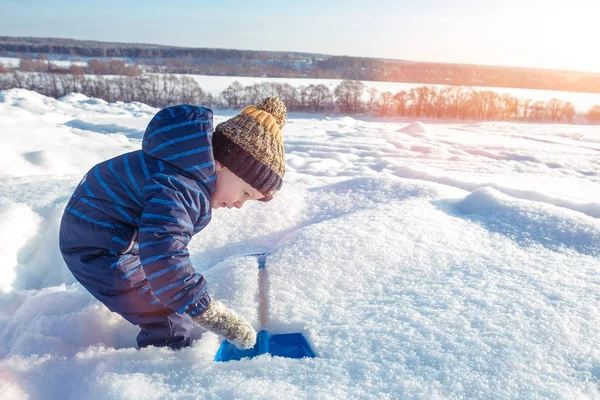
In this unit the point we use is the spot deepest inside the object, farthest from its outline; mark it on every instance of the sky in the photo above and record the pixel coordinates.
(556, 34)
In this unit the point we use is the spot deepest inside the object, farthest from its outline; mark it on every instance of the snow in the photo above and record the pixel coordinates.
(448, 260)
(10, 62)
(26, 221)
(13, 62)
(416, 128)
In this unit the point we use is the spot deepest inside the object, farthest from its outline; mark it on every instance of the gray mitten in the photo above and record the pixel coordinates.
(219, 319)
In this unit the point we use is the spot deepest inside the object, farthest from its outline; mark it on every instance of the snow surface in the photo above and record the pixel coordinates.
(415, 128)
(450, 261)
(13, 62)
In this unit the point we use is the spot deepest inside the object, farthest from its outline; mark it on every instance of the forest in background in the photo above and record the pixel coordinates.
(227, 62)
(116, 80)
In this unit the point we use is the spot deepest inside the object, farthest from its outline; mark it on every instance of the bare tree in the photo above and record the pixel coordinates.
(190, 91)
(401, 101)
(343, 96)
(209, 100)
(492, 103)
(568, 111)
(554, 107)
(510, 106)
(23, 80)
(252, 94)
(440, 102)
(458, 98)
(69, 83)
(98, 67)
(27, 64)
(385, 102)
(117, 67)
(170, 91)
(6, 82)
(53, 85)
(538, 110)
(525, 108)
(372, 99)
(154, 88)
(133, 70)
(143, 89)
(348, 96)
(429, 93)
(121, 89)
(593, 114)
(302, 98)
(289, 95)
(233, 95)
(99, 89)
(319, 97)
(417, 98)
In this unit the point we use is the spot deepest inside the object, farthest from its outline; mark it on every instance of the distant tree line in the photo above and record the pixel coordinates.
(155, 90)
(349, 97)
(225, 62)
(428, 102)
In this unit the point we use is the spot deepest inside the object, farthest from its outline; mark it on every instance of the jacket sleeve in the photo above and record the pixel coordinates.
(172, 204)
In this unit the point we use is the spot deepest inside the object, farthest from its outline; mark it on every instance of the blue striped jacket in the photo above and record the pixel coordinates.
(149, 203)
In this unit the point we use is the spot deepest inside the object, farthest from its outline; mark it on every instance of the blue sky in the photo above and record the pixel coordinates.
(531, 33)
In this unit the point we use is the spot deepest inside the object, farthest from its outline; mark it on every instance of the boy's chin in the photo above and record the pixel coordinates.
(217, 204)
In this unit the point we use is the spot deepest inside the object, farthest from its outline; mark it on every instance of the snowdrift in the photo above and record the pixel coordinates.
(460, 262)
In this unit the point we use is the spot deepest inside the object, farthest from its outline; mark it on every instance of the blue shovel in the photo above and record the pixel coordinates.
(290, 345)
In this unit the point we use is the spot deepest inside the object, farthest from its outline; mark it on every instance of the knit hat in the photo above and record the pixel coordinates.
(251, 146)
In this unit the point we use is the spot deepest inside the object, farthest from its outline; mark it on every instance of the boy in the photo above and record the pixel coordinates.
(125, 230)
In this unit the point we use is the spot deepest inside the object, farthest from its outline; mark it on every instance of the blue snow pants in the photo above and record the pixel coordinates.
(108, 277)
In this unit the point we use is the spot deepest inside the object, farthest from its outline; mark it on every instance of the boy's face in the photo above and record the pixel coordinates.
(231, 190)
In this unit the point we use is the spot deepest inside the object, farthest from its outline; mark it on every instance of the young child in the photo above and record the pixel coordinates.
(125, 230)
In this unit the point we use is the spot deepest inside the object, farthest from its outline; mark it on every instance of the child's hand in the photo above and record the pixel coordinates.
(219, 319)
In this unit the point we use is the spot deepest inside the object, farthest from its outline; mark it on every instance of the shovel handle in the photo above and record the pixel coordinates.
(262, 341)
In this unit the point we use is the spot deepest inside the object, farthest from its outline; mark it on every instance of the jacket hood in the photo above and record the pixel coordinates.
(182, 136)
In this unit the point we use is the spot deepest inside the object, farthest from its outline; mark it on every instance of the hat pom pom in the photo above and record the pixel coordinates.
(274, 106)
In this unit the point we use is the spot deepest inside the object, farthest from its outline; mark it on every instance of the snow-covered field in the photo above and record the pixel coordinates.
(12, 62)
(421, 261)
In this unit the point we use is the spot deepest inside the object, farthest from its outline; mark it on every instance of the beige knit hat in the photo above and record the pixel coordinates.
(251, 145)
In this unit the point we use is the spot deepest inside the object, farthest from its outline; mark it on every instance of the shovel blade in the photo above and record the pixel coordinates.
(289, 345)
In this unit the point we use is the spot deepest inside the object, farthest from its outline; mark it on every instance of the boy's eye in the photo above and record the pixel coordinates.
(246, 194)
